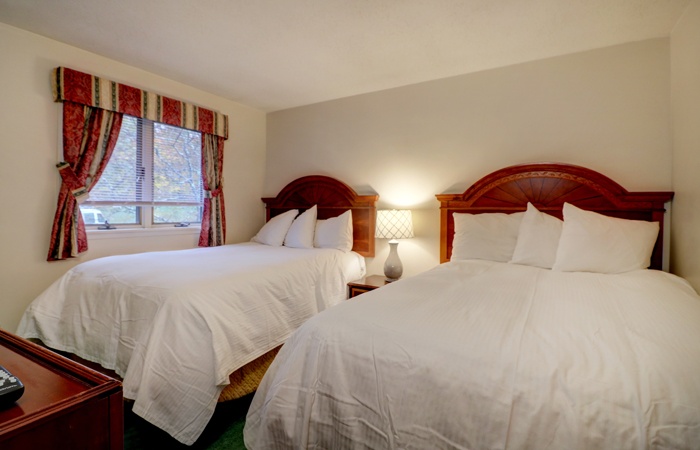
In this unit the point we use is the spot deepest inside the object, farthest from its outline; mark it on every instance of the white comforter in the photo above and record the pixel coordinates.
(483, 355)
(175, 324)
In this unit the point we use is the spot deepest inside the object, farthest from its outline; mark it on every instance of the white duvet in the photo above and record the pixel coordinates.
(175, 324)
(484, 355)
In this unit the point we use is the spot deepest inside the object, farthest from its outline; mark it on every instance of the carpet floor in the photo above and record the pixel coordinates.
(224, 431)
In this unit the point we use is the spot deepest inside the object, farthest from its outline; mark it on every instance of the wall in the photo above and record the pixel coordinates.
(29, 182)
(685, 94)
(606, 109)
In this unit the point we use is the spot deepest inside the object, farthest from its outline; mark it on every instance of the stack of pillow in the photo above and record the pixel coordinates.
(584, 241)
(304, 230)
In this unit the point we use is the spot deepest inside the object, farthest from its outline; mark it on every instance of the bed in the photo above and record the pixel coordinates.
(186, 328)
(491, 351)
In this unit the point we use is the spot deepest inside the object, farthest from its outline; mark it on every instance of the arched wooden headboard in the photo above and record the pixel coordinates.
(548, 186)
(332, 198)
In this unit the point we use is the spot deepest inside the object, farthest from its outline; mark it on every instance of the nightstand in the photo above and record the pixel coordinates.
(366, 284)
(64, 405)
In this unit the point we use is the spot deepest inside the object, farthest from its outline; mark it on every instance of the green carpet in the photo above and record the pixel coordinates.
(224, 431)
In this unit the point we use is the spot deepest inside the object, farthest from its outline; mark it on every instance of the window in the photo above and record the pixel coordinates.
(154, 177)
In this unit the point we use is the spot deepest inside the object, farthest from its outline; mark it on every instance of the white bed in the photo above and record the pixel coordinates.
(577, 350)
(480, 355)
(175, 325)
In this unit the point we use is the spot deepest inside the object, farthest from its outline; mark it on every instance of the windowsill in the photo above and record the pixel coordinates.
(122, 233)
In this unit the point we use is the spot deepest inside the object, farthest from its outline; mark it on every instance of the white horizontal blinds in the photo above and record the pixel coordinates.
(177, 165)
(119, 181)
(152, 164)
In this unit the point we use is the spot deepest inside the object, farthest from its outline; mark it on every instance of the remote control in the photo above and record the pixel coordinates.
(11, 388)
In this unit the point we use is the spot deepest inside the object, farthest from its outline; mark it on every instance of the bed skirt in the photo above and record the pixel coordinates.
(242, 382)
(246, 380)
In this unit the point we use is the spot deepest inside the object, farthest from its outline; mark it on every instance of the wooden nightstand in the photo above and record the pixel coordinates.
(366, 284)
(64, 405)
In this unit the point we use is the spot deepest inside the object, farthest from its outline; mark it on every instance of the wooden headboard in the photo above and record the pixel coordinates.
(332, 198)
(548, 186)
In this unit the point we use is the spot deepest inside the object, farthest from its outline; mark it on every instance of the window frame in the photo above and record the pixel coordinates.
(145, 225)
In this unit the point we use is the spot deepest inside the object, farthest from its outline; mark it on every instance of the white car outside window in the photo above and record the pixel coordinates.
(92, 216)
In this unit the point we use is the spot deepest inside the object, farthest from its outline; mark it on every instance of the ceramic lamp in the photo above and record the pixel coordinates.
(394, 224)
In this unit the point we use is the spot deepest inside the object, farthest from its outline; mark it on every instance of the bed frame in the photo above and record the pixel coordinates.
(548, 186)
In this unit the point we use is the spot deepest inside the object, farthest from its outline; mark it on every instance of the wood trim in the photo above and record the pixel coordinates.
(548, 186)
(332, 198)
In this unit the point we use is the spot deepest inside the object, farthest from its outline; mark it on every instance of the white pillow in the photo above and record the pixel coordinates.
(335, 232)
(489, 236)
(538, 239)
(592, 242)
(301, 233)
(274, 231)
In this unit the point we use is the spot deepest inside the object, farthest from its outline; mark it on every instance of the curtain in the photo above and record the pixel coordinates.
(70, 85)
(89, 137)
(213, 218)
(90, 133)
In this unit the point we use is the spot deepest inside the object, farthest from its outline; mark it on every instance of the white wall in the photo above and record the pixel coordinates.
(29, 182)
(685, 94)
(606, 109)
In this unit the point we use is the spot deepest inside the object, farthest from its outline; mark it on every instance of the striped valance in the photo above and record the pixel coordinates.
(78, 87)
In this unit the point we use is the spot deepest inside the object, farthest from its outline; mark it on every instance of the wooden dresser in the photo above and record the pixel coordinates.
(65, 405)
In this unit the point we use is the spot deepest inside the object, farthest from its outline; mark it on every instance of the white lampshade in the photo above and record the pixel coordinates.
(394, 224)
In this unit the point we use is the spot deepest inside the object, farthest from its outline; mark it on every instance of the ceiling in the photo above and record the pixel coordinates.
(278, 54)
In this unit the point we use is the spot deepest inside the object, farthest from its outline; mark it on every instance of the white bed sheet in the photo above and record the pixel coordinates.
(485, 355)
(175, 324)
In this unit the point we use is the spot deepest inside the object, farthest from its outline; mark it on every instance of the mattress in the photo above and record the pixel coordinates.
(175, 324)
(480, 355)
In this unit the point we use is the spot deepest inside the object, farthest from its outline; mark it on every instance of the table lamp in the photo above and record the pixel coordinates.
(394, 224)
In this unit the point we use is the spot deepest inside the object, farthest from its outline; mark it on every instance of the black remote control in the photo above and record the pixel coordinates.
(11, 389)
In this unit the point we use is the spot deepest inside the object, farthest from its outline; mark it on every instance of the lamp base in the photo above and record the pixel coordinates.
(393, 269)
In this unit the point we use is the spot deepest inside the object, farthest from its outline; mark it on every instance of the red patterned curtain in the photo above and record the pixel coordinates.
(90, 130)
(213, 218)
(89, 137)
